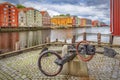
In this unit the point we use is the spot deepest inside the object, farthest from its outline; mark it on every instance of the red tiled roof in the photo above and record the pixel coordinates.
(30, 8)
(43, 12)
(23, 9)
(6, 3)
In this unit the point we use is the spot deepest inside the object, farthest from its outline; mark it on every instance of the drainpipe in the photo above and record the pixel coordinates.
(112, 17)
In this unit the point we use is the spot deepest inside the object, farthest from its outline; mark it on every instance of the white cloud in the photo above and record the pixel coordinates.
(92, 12)
(22, 1)
(1, 1)
(52, 13)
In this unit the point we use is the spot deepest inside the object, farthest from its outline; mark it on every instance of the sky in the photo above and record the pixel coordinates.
(92, 9)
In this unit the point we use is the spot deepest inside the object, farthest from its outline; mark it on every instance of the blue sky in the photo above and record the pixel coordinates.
(92, 9)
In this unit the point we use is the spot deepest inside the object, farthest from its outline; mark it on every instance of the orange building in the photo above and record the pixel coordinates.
(8, 15)
(62, 21)
(85, 22)
(95, 23)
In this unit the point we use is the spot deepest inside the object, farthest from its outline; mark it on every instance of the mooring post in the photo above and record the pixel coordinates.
(73, 39)
(99, 38)
(17, 46)
(65, 41)
(56, 39)
(47, 39)
(84, 36)
(111, 39)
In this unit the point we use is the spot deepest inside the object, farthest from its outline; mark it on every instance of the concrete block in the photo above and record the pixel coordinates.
(116, 40)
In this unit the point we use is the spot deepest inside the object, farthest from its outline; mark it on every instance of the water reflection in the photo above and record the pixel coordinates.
(8, 41)
(32, 38)
(62, 34)
(19, 40)
(68, 34)
(102, 30)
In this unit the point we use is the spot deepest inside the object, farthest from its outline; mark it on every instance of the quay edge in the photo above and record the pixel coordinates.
(9, 29)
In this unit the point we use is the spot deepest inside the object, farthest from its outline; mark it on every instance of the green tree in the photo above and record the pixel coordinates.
(67, 14)
(62, 15)
(20, 6)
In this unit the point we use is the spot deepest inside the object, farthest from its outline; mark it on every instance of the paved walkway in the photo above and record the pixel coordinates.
(24, 67)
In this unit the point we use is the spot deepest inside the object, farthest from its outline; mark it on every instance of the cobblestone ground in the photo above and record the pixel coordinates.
(104, 68)
(24, 67)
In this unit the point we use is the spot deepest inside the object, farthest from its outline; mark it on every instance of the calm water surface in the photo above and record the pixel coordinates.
(9, 41)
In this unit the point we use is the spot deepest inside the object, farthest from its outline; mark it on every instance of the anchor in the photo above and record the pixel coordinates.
(81, 50)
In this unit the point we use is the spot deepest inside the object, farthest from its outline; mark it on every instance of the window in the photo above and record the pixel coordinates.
(9, 20)
(9, 24)
(5, 12)
(13, 20)
(9, 13)
(4, 9)
(21, 19)
(13, 10)
(9, 9)
(11, 6)
(9, 16)
(6, 5)
(4, 16)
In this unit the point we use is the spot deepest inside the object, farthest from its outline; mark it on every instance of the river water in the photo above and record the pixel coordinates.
(9, 41)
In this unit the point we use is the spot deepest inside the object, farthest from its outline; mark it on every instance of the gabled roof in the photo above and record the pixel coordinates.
(43, 12)
(30, 8)
(4, 3)
(22, 9)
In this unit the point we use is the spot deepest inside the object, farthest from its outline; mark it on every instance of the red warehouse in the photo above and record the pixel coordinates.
(8, 15)
(115, 20)
(115, 17)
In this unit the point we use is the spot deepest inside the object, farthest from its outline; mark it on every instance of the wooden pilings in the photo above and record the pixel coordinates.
(99, 38)
(65, 41)
(111, 39)
(57, 40)
(84, 35)
(47, 40)
(73, 39)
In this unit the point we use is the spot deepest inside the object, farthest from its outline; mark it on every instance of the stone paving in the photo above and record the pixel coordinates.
(104, 68)
(24, 67)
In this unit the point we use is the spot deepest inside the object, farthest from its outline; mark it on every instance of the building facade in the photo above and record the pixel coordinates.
(37, 18)
(64, 21)
(115, 20)
(46, 19)
(22, 17)
(95, 23)
(8, 15)
(30, 17)
(75, 21)
(102, 24)
(85, 22)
